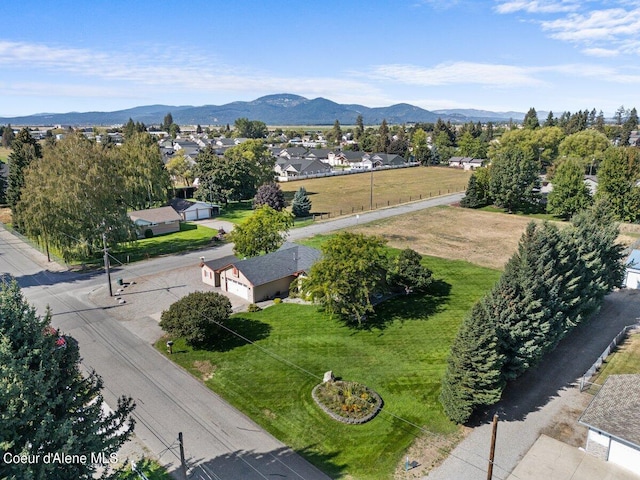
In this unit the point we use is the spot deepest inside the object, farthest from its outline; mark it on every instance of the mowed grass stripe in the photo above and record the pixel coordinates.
(403, 359)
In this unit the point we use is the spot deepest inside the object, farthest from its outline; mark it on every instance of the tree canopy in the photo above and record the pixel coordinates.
(197, 317)
(47, 405)
(236, 175)
(263, 232)
(73, 195)
(270, 194)
(351, 270)
(246, 128)
(570, 194)
(25, 150)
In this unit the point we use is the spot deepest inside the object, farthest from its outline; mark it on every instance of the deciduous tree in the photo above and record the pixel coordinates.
(352, 269)
(265, 231)
(73, 195)
(515, 180)
(270, 194)
(146, 180)
(407, 272)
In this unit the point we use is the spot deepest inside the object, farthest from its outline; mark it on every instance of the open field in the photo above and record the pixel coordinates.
(348, 194)
(483, 238)
(402, 356)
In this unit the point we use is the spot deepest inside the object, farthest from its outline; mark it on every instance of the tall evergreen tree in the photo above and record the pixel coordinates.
(383, 137)
(301, 203)
(617, 176)
(515, 179)
(25, 149)
(359, 127)
(47, 405)
(476, 195)
(531, 119)
(570, 194)
(473, 376)
(7, 136)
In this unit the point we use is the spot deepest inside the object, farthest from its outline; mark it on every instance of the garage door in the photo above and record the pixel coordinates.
(238, 289)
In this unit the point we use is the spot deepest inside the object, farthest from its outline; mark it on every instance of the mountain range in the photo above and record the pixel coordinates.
(281, 109)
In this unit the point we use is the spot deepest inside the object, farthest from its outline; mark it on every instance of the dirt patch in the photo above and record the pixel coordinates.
(564, 425)
(205, 368)
(484, 238)
(428, 452)
(5, 215)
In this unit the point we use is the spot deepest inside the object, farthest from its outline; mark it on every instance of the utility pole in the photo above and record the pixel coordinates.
(371, 190)
(492, 451)
(183, 464)
(106, 262)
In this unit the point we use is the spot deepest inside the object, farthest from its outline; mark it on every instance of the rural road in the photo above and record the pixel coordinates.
(220, 442)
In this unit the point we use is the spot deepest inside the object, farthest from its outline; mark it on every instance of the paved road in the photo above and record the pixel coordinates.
(220, 442)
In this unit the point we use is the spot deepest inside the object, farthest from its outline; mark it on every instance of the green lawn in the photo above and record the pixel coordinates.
(402, 356)
(236, 212)
(190, 237)
(624, 359)
(151, 469)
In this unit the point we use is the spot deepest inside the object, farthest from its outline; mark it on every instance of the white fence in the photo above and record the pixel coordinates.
(585, 381)
(334, 173)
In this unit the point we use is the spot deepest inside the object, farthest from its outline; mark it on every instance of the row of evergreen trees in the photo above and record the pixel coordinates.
(555, 281)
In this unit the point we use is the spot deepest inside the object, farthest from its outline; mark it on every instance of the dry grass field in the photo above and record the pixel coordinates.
(483, 238)
(4, 154)
(351, 193)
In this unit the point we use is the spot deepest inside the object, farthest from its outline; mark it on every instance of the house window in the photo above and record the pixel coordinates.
(235, 272)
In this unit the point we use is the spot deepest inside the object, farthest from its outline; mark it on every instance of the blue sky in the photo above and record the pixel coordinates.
(496, 55)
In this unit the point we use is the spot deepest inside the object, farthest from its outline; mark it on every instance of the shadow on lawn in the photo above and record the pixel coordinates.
(246, 330)
(417, 306)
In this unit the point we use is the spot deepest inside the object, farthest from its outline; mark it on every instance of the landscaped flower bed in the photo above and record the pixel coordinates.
(347, 402)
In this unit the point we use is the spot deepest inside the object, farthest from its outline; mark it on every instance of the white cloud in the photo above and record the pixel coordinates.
(600, 52)
(537, 6)
(126, 72)
(457, 73)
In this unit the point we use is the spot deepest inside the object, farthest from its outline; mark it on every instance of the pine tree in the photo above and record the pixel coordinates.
(473, 375)
(46, 404)
(475, 196)
(301, 204)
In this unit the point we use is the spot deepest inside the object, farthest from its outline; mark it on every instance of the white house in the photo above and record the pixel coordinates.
(190, 211)
(632, 271)
(613, 420)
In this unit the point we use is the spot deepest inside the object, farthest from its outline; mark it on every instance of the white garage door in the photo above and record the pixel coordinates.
(237, 288)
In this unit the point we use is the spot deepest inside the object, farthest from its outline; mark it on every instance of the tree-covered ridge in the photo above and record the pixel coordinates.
(554, 282)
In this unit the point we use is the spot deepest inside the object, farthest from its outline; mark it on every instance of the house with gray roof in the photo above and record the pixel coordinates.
(260, 278)
(157, 220)
(613, 420)
(286, 168)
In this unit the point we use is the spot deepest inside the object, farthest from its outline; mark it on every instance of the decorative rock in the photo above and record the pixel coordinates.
(328, 377)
